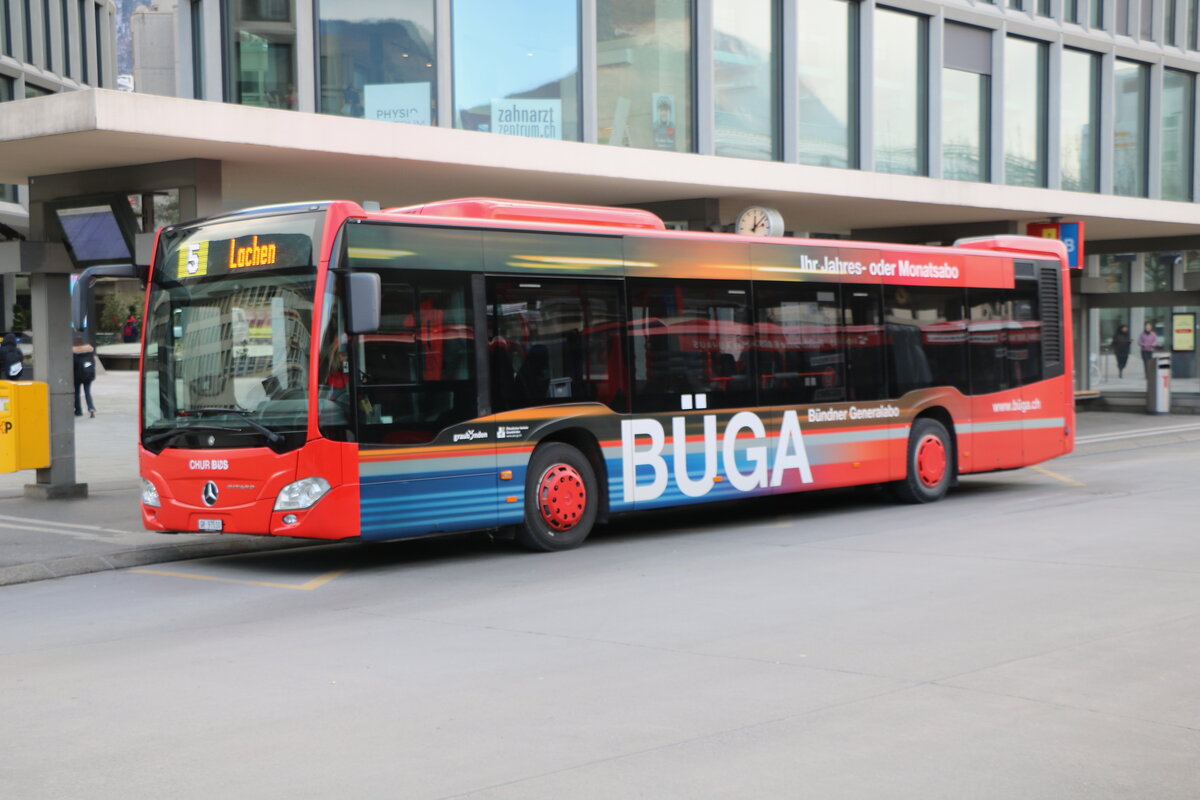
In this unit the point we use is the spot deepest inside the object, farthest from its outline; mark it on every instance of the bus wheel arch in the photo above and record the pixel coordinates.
(930, 460)
(562, 498)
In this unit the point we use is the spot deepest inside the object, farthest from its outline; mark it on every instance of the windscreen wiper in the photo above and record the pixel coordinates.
(167, 434)
(272, 436)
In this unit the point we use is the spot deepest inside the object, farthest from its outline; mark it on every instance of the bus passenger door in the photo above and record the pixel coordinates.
(426, 464)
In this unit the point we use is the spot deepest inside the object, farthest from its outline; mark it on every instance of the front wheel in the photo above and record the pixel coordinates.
(561, 497)
(930, 465)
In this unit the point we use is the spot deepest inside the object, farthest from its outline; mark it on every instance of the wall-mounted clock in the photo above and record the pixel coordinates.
(759, 221)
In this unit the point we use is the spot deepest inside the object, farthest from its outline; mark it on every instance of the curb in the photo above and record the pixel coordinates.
(140, 557)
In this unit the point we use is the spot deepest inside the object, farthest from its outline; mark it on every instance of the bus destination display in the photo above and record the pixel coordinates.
(204, 258)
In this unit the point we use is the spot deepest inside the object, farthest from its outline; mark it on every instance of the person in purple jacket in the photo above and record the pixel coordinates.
(1147, 341)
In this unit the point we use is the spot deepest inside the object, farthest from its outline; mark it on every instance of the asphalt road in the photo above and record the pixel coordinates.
(1036, 635)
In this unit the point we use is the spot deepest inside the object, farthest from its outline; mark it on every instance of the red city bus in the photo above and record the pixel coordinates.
(328, 372)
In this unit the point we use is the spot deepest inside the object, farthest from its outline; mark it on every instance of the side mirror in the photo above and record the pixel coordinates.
(362, 302)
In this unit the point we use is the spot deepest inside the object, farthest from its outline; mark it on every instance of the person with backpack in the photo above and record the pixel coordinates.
(85, 373)
(12, 360)
(132, 332)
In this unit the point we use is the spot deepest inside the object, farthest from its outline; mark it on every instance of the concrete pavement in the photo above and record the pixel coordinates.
(42, 539)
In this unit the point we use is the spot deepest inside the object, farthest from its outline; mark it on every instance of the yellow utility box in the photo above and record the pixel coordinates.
(24, 425)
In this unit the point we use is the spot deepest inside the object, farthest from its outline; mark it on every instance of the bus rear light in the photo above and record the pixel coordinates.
(304, 493)
(150, 494)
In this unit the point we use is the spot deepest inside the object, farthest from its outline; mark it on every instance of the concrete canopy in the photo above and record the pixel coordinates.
(269, 155)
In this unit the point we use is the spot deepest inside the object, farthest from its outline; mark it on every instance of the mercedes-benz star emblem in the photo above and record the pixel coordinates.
(209, 494)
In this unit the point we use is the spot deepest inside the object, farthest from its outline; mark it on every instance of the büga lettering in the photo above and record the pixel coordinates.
(643, 442)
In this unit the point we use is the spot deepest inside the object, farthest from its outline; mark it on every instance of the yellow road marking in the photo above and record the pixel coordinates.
(315, 583)
(1056, 476)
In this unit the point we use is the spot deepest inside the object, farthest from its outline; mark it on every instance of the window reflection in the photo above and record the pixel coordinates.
(690, 337)
(826, 55)
(745, 78)
(516, 67)
(644, 73)
(260, 39)
(965, 100)
(377, 59)
(1177, 134)
(900, 92)
(556, 341)
(1025, 112)
(1132, 89)
(1080, 100)
(1115, 270)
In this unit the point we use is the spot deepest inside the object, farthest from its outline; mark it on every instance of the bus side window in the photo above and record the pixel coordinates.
(991, 321)
(862, 335)
(555, 340)
(926, 335)
(690, 338)
(798, 344)
(416, 374)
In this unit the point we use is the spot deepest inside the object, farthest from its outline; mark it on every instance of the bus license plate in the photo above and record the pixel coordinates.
(211, 525)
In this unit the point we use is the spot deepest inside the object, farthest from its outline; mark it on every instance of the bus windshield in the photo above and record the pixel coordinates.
(228, 333)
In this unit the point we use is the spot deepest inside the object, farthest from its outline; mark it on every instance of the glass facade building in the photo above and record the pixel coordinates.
(1030, 93)
(1022, 98)
(49, 46)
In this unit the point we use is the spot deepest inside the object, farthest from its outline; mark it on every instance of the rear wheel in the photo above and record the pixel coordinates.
(561, 497)
(930, 466)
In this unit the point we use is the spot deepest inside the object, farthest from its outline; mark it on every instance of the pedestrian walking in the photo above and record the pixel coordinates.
(1148, 341)
(85, 373)
(12, 361)
(131, 332)
(1121, 343)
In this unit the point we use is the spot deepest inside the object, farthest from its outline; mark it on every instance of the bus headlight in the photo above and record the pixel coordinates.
(150, 494)
(301, 494)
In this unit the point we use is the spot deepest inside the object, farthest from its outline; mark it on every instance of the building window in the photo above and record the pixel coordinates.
(1147, 7)
(966, 100)
(1121, 15)
(47, 36)
(260, 63)
(1169, 30)
(1193, 24)
(1096, 18)
(827, 59)
(65, 39)
(377, 59)
(1080, 127)
(5, 30)
(1131, 81)
(1115, 270)
(84, 54)
(27, 38)
(900, 92)
(746, 78)
(1071, 10)
(1043, 8)
(1159, 272)
(6, 88)
(197, 18)
(35, 91)
(516, 67)
(644, 73)
(1178, 134)
(102, 32)
(1025, 112)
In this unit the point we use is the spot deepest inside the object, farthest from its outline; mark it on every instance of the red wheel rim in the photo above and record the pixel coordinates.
(931, 461)
(562, 497)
